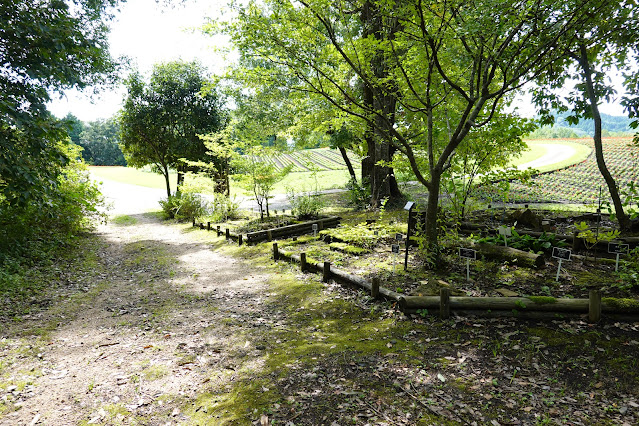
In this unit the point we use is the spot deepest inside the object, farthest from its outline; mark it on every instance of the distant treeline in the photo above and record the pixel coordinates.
(99, 141)
(611, 126)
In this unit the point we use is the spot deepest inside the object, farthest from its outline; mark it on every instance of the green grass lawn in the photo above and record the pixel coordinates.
(307, 181)
(299, 181)
(132, 176)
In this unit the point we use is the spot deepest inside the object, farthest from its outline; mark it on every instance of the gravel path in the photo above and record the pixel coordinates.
(150, 328)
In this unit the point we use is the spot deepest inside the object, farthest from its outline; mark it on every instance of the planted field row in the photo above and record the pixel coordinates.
(579, 183)
(312, 159)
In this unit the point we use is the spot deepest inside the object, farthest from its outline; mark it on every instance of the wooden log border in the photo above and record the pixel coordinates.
(268, 235)
(289, 230)
(546, 308)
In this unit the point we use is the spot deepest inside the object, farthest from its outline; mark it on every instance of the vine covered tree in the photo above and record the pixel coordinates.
(162, 120)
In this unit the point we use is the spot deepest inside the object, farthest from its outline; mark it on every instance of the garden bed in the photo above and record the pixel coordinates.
(489, 275)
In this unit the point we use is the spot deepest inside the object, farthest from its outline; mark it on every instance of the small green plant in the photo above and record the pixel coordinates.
(224, 208)
(592, 237)
(183, 206)
(544, 243)
(305, 205)
(359, 196)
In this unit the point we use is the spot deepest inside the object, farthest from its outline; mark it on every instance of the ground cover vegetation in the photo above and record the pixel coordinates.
(46, 198)
(284, 349)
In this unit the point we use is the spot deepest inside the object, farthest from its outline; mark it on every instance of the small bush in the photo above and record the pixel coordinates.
(359, 196)
(304, 206)
(224, 208)
(183, 206)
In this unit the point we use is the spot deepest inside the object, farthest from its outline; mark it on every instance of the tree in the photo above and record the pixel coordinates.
(75, 126)
(285, 80)
(422, 75)
(592, 51)
(259, 176)
(161, 122)
(46, 46)
(100, 140)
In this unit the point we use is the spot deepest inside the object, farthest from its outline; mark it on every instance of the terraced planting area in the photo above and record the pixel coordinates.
(312, 159)
(579, 183)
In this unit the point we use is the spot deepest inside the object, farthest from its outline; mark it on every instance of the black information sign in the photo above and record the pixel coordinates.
(314, 226)
(467, 253)
(618, 248)
(399, 236)
(376, 233)
(560, 253)
(395, 248)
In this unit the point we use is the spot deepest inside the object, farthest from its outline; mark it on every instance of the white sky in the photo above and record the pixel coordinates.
(149, 33)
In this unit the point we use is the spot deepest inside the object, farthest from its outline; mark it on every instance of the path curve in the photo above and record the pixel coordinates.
(555, 153)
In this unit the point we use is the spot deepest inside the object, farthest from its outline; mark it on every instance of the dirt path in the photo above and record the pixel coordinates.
(151, 328)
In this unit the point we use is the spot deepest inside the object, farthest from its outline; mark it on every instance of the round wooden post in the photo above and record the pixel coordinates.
(444, 303)
(239, 240)
(276, 254)
(201, 225)
(219, 231)
(208, 226)
(303, 262)
(269, 235)
(228, 234)
(320, 225)
(326, 272)
(194, 222)
(375, 288)
(594, 306)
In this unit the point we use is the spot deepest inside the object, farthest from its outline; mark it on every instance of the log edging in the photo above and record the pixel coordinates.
(523, 307)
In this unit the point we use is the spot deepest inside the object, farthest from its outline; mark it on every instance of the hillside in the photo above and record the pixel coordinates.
(612, 125)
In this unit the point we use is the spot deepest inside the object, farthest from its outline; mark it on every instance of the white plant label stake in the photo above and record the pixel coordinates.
(506, 231)
(561, 254)
(618, 248)
(467, 254)
(314, 226)
(395, 250)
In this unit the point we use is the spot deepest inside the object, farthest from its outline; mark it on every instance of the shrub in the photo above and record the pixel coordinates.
(224, 208)
(305, 205)
(359, 196)
(183, 206)
(31, 232)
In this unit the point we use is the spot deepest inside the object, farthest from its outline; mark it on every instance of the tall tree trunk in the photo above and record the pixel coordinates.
(165, 173)
(347, 160)
(622, 218)
(432, 208)
(378, 99)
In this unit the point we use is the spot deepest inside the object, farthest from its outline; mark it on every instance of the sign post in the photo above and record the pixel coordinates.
(315, 227)
(561, 254)
(506, 231)
(618, 248)
(408, 207)
(467, 254)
